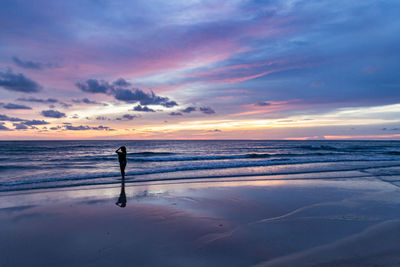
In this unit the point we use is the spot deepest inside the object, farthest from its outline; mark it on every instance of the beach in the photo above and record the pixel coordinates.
(285, 220)
(200, 203)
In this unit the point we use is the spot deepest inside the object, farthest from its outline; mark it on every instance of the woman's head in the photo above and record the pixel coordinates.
(123, 148)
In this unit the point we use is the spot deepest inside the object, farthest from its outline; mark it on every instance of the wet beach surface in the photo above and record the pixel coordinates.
(237, 222)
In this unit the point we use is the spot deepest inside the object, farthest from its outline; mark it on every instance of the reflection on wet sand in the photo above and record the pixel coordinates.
(122, 196)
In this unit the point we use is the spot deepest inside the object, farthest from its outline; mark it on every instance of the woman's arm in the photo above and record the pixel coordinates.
(116, 151)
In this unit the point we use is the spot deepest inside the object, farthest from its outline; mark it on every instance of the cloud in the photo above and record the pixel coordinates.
(22, 121)
(85, 101)
(18, 82)
(95, 86)
(143, 109)
(188, 109)
(6, 118)
(86, 127)
(392, 129)
(77, 128)
(64, 105)
(262, 104)
(128, 117)
(32, 65)
(14, 106)
(53, 114)
(175, 114)
(132, 95)
(38, 100)
(207, 110)
(101, 118)
(20, 126)
(35, 122)
(137, 95)
(102, 128)
(121, 83)
(4, 128)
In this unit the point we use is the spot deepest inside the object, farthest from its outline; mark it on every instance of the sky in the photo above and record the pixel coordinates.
(235, 69)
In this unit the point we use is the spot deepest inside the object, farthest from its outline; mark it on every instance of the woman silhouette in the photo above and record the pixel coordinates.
(122, 159)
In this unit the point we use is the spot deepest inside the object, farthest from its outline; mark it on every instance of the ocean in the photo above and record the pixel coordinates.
(52, 164)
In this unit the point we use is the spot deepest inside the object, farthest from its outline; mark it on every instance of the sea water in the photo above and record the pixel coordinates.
(52, 164)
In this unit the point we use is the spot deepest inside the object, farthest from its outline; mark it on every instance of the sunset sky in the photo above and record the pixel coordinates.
(200, 69)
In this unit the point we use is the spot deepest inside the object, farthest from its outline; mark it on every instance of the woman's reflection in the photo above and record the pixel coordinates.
(122, 197)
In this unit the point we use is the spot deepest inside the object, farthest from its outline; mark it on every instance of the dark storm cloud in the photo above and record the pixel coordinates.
(17, 82)
(175, 114)
(38, 100)
(14, 106)
(143, 109)
(207, 110)
(52, 114)
(188, 109)
(132, 95)
(31, 64)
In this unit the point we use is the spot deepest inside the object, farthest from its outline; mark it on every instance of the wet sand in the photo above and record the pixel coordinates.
(336, 222)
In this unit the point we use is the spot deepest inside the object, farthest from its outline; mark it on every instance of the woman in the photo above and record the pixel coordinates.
(122, 159)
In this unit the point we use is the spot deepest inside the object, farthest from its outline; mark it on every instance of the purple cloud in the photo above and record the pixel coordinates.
(133, 95)
(38, 100)
(17, 82)
(32, 65)
(143, 109)
(262, 104)
(128, 117)
(86, 127)
(95, 86)
(207, 110)
(20, 126)
(85, 101)
(4, 128)
(6, 118)
(188, 109)
(53, 114)
(14, 106)
(35, 122)
(175, 114)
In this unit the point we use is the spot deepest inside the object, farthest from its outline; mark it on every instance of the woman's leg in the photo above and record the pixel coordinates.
(122, 166)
